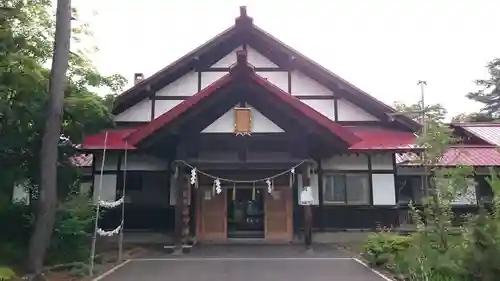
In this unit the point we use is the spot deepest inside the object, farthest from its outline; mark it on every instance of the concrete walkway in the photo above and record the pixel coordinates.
(247, 263)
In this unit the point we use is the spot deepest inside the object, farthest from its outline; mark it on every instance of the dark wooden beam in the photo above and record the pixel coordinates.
(179, 207)
(370, 177)
(308, 219)
(92, 187)
(239, 166)
(315, 97)
(257, 69)
(336, 110)
(321, 209)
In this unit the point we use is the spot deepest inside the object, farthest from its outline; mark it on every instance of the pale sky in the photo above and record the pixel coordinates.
(383, 47)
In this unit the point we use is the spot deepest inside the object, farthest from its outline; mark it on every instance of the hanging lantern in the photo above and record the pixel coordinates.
(242, 121)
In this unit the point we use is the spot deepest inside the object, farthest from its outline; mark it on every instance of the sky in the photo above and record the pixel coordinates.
(383, 47)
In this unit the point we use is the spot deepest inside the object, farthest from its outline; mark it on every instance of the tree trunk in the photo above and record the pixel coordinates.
(47, 202)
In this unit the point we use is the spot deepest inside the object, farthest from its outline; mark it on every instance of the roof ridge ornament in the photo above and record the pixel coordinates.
(243, 20)
(241, 66)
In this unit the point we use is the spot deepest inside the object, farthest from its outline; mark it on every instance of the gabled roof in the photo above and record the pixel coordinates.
(240, 31)
(488, 132)
(242, 70)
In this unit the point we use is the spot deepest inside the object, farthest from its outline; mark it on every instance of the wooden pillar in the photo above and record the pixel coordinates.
(186, 194)
(179, 206)
(306, 182)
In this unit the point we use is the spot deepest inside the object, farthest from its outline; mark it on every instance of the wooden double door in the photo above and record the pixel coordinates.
(212, 215)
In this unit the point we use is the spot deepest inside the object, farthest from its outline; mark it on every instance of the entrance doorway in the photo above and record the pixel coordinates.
(245, 212)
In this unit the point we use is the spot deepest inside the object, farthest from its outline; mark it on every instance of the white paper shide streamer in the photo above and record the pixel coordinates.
(110, 205)
(113, 232)
(193, 176)
(218, 188)
(269, 186)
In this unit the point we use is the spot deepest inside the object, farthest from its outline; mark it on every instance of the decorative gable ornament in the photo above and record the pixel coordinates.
(242, 121)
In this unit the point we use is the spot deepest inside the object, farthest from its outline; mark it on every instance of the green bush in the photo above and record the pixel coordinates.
(15, 221)
(381, 249)
(70, 240)
(74, 222)
(7, 274)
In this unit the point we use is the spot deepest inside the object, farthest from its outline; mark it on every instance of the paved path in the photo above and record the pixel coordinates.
(236, 263)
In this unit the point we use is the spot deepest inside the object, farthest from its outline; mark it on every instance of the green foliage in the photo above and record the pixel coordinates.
(26, 43)
(482, 238)
(472, 117)
(7, 274)
(435, 112)
(435, 252)
(70, 243)
(489, 92)
(26, 32)
(381, 249)
(15, 222)
(70, 240)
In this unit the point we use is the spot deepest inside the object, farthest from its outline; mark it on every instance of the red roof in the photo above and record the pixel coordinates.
(241, 68)
(383, 139)
(370, 139)
(471, 155)
(114, 141)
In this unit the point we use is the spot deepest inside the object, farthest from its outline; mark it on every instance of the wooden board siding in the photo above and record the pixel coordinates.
(211, 218)
(278, 215)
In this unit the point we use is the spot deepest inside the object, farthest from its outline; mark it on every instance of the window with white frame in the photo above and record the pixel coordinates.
(350, 189)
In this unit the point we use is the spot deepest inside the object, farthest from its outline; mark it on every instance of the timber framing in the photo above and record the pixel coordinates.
(235, 87)
(244, 32)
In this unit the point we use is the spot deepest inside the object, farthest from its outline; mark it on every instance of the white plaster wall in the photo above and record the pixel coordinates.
(162, 106)
(139, 112)
(302, 85)
(350, 112)
(382, 161)
(225, 124)
(208, 78)
(107, 189)
(254, 58)
(384, 190)
(186, 85)
(325, 107)
(277, 78)
(134, 163)
(346, 162)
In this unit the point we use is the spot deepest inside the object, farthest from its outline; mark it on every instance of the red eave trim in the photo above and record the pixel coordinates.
(333, 127)
(153, 126)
